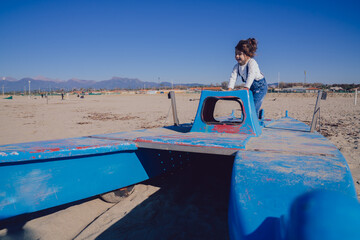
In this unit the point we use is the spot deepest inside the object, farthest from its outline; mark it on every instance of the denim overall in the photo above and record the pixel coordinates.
(259, 89)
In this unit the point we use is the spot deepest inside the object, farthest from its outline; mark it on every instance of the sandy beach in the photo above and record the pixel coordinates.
(167, 207)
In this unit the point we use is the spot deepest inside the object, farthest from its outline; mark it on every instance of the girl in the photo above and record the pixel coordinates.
(248, 69)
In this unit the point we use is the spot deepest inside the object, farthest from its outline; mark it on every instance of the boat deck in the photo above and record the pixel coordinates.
(287, 136)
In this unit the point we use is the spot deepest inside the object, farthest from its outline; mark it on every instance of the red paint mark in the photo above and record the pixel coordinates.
(85, 147)
(99, 145)
(54, 149)
(226, 129)
(45, 150)
(38, 151)
(78, 148)
(232, 129)
(270, 179)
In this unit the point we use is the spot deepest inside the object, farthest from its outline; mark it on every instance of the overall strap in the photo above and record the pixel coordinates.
(247, 71)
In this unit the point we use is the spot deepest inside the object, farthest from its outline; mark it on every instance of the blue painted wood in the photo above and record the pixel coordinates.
(133, 135)
(195, 139)
(277, 167)
(289, 123)
(31, 187)
(70, 147)
(40, 175)
(323, 215)
(289, 137)
(250, 125)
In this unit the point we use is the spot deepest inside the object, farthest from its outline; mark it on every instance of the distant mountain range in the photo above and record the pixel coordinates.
(45, 84)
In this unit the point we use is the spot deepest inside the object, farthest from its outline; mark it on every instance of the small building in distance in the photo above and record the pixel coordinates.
(312, 90)
(336, 89)
(295, 89)
(300, 89)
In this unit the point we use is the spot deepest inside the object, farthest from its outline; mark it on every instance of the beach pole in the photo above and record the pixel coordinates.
(174, 110)
(355, 100)
(3, 84)
(29, 88)
(278, 82)
(316, 114)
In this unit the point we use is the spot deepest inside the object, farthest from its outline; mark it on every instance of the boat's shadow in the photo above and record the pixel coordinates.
(191, 204)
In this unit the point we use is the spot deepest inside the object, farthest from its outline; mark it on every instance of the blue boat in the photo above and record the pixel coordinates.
(287, 181)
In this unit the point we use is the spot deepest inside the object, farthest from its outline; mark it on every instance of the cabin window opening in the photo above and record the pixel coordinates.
(223, 110)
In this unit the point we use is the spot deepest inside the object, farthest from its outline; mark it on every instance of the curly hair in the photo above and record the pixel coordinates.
(248, 46)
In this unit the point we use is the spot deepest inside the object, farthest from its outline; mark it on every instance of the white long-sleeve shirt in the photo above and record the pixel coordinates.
(253, 74)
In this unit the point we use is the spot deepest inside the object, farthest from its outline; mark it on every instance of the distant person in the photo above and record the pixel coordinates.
(248, 69)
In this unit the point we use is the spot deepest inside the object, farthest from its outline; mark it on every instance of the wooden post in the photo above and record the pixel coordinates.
(355, 100)
(173, 104)
(316, 112)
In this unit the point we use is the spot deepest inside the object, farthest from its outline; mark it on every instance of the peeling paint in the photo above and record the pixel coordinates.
(61, 148)
(233, 141)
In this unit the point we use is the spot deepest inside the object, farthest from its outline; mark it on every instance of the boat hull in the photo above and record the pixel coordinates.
(285, 162)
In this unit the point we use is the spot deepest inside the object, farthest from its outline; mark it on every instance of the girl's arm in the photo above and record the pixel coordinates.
(233, 77)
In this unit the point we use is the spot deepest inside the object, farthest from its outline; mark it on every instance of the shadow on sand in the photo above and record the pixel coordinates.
(191, 204)
(15, 225)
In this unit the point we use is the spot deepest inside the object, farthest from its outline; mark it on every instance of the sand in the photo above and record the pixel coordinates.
(170, 206)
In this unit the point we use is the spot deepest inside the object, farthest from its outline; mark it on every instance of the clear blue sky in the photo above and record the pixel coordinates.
(180, 41)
